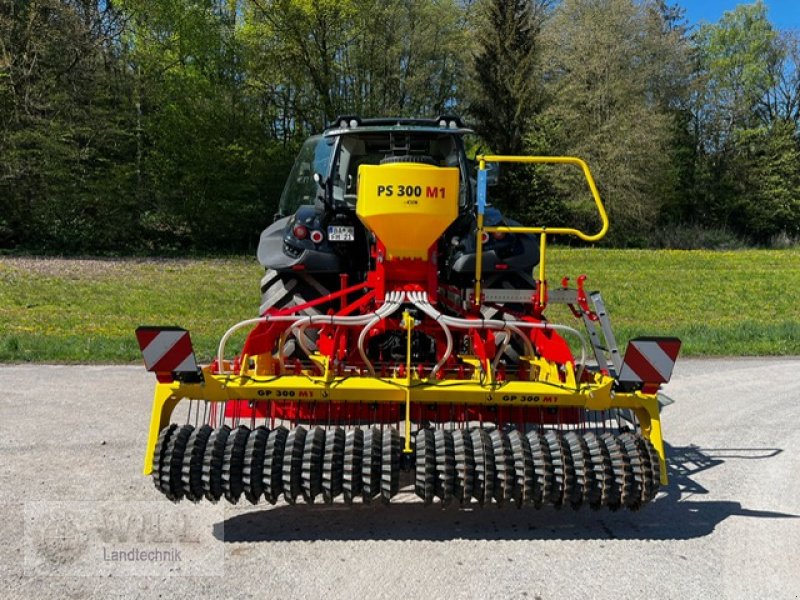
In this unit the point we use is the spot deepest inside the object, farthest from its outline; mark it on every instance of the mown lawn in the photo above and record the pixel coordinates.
(718, 303)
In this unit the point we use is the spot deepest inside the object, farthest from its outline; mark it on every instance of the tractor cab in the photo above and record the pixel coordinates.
(318, 230)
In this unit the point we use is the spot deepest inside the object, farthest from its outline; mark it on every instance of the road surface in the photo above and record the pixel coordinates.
(728, 524)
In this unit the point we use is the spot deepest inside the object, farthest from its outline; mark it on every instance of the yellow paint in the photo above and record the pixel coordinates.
(164, 401)
(544, 390)
(540, 230)
(650, 420)
(407, 205)
(408, 321)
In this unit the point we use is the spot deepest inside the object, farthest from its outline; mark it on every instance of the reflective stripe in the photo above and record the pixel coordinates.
(189, 365)
(160, 345)
(175, 355)
(649, 360)
(655, 355)
(637, 368)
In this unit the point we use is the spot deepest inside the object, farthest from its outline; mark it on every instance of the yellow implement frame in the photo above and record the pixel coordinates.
(540, 230)
(549, 386)
(546, 392)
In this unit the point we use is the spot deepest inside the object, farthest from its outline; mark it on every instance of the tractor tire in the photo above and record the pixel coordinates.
(284, 290)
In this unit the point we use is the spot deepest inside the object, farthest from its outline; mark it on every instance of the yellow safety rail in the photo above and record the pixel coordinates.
(541, 230)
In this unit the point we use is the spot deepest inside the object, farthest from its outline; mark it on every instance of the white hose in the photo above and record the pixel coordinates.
(501, 350)
(303, 321)
(224, 340)
(420, 300)
(513, 326)
(392, 302)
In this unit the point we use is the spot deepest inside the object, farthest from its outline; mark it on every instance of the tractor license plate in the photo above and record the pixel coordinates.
(341, 233)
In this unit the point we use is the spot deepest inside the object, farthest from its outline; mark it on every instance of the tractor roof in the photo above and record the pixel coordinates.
(353, 124)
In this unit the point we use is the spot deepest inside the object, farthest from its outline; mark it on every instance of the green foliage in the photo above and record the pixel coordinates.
(507, 89)
(768, 187)
(368, 57)
(748, 126)
(736, 55)
(167, 126)
(693, 237)
(610, 62)
(506, 96)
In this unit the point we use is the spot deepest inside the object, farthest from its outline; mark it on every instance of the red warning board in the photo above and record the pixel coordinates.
(649, 360)
(166, 349)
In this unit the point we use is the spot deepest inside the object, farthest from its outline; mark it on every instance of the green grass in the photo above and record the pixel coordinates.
(737, 303)
(89, 314)
(718, 303)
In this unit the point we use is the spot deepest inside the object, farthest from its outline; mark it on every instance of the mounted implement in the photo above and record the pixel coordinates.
(402, 343)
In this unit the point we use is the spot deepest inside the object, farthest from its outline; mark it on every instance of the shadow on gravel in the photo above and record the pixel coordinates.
(678, 513)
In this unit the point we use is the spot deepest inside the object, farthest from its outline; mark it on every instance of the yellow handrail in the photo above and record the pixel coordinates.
(543, 230)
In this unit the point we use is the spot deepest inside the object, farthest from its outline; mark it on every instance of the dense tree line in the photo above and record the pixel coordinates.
(169, 125)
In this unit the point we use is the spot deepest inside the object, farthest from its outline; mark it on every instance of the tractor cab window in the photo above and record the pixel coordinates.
(367, 148)
(314, 157)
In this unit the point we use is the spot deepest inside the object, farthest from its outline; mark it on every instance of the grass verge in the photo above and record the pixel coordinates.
(718, 303)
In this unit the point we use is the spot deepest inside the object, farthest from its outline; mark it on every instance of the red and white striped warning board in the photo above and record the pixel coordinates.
(166, 349)
(649, 360)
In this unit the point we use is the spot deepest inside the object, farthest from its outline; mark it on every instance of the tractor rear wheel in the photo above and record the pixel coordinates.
(284, 290)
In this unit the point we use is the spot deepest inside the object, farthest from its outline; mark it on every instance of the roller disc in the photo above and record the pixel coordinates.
(158, 454)
(192, 470)
(253, 472)
(293, 464)
(212, 463)
(614, 498)
(563, 472)
(311, 480)
(353, 461)
(464, 466)
(445, 465)
(582, 463)
(651, 458)
(233, 464)
(542, 468)
(173, 458)
(483, 489)
(603, 488)
(390, 465)
(630, 447)
(166, 462)
(333, 464)
(425, 470)
(504, 476)
(371, 464)
(272, 474)
(523, 468)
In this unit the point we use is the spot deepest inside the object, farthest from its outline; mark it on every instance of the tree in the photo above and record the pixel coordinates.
(506, 89)
(612, 64)
(63, 129)
(782, 100)
(369, 57)
(747, 114)
(738, 63)
(505, 99)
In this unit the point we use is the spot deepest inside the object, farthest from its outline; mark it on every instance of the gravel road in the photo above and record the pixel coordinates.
(71, 490)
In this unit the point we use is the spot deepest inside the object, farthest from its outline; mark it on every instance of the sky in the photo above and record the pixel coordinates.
(784, 14)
